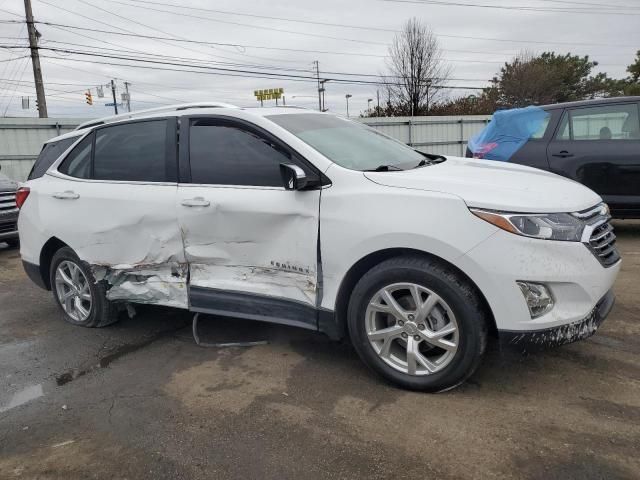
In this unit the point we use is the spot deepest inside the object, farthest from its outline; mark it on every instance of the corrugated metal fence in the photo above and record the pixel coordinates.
(21, 139)
(442, 135)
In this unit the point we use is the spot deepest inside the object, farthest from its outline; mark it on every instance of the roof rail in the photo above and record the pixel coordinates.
(141, 113)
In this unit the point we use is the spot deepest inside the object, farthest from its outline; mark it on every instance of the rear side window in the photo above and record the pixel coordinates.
(49, 154)
(78, 162)
(227, 155)
(543, 128)
(131, 152)
(605, 122)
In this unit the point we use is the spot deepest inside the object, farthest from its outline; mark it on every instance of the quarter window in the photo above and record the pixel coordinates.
(221, 154)
(606, 122)
(132, 152)
(49, 154)
(78, 162)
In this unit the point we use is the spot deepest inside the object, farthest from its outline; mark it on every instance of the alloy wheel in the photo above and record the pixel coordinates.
(73, 291)
(412, 329)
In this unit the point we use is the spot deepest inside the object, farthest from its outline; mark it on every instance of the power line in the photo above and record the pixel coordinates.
(125, 50)
(65, 27)
(260, 27)
(513, 7)
(163, 32)
(236, 72)
(202, 42)
(590, 4)
(343, 25)
(286, 69)
(294, 20)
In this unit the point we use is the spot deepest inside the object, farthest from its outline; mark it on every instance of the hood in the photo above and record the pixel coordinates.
(6, 184)
(494, 185)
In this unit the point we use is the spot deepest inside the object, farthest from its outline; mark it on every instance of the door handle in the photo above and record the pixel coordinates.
(562, 154)
(195, 202)
(66, 195)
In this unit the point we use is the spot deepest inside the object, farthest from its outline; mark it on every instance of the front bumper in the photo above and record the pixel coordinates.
(560, 335)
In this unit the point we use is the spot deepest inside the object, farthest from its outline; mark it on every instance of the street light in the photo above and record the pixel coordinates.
(369, 100)
(348, 96)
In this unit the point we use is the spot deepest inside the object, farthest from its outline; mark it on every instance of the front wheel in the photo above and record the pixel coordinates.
(82, 300)
(418, 323)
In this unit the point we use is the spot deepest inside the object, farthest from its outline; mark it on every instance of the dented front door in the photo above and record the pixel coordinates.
(250, 244)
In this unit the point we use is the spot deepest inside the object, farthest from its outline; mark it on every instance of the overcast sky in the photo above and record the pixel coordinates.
(476, 41)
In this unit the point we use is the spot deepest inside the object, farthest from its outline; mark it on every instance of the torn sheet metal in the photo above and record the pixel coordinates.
(164, 284)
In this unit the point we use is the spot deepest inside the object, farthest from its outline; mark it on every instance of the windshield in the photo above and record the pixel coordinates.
(349, 144)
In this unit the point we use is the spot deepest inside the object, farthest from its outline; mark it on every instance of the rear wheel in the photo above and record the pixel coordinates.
(83, 301)
(418, 323)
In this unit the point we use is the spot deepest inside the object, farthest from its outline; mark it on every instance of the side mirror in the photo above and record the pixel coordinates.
(293, 176)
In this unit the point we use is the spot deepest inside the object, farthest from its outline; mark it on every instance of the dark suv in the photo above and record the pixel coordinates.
(595, 142)
(8, 211)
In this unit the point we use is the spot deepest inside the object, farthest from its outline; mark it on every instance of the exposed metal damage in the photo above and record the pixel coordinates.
(300, 286)
(164, 284)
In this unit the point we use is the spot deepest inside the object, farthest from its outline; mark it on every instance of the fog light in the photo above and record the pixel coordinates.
(538, 298)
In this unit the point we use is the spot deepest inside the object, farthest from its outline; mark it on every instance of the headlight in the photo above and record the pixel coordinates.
(548, 226)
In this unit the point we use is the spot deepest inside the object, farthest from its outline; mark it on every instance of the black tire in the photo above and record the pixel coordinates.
(461, 297)
(102, 312)
(13, 243)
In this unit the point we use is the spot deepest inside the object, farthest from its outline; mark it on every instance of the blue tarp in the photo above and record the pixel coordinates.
(507, 132)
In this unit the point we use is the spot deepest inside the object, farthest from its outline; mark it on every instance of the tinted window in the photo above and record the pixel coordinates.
(349, 144)
(226, 155)
(131, 152)
(606, 122)
(563, 131)
(49, 154)
(78, 162)
(543, 128)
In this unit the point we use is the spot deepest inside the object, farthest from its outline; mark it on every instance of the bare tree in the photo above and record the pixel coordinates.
(416, 68)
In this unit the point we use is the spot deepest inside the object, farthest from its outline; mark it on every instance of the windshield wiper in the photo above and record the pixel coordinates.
(431, 161)
(383, 168)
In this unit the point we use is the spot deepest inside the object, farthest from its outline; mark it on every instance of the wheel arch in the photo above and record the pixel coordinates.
(47, 252)
(366, 263)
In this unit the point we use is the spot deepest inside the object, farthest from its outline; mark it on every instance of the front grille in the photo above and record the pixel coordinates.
(602, 241)
(8, 227)
(8, 202)
(603, 244)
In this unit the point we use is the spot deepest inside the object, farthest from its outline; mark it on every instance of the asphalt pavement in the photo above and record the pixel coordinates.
(139, 400)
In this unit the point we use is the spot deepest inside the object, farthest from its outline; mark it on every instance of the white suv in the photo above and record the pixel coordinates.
(301, 218)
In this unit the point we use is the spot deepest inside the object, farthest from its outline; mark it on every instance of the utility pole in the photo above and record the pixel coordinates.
(323, 107)
(126, 91)
(378, 98)
(113, 92)
(317, 64)
(35, 60)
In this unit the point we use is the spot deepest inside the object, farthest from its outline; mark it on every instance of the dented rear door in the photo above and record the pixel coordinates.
(113, 201)
(250, 244)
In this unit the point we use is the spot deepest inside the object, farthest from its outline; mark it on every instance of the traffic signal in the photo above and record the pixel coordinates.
(89, 98)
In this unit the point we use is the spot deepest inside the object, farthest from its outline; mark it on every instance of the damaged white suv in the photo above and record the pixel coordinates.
(306, 219)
